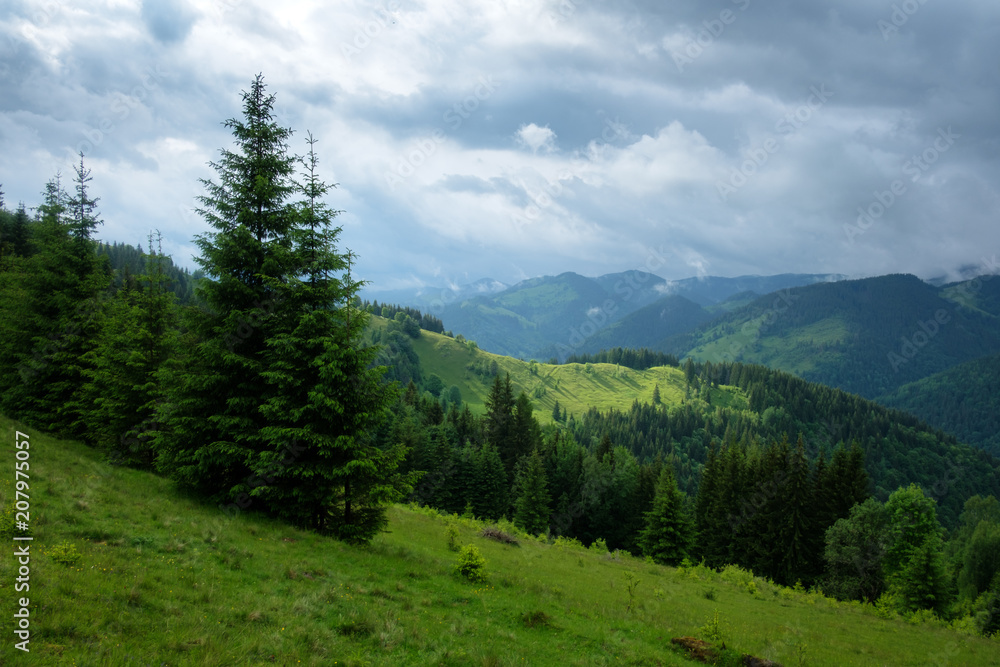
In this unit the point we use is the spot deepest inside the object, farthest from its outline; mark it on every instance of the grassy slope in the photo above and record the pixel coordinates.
(164, 580)
(576, 388)
(798, 353)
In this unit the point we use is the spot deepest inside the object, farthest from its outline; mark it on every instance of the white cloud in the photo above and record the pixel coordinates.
(536, 138)
(624, 154)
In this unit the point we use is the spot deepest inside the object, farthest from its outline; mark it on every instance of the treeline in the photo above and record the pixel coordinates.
(425, 321)
(128, 262)
(899, 449)
(260, 395)
(963, 400)
(636, 359)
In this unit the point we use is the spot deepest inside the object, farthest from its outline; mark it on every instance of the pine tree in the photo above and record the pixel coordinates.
(667, 535)
(706, 543)
(325, 396)
(921, 584)
(83, 208)
(490, 500)
(213, 424)
(526, 435)
(499, 420)
(656, 395)
(532, 507)
(63, 284)
(795, 519)
(137, 337)
(279, 403)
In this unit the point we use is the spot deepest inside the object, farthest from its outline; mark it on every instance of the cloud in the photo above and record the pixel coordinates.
(731, 165)
(168, 20)
(536, 138)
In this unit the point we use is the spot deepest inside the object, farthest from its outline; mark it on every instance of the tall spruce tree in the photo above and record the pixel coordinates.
(63, 284)
(794, 534)
(212, 423)
(491, 497)
(499, 420)
(279, 402)
(532, 506)
(667, 535)
(325, 394)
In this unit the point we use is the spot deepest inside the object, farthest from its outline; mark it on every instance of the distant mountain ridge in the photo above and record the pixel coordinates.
(555, 316)
(867, 336)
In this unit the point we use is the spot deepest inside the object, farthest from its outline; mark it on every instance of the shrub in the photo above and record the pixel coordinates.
(565, 542)
(887, 605)
(599, 545)
(452, 533)
(65, 554)
(735, 574)
(712, 631)
(471, 564)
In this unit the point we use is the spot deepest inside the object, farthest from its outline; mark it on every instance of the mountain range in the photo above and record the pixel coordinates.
(553, 316)
(925, 348)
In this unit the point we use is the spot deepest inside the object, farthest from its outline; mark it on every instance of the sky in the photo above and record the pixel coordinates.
(516, 139)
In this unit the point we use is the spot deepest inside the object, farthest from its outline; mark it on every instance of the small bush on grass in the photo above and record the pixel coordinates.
(65, 554)
(471, 564)
(453, 543)
(712, 631)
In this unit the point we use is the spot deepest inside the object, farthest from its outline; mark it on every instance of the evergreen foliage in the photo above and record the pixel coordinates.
(52, 300)
(137, 337)
(668, 535)
(855, 553)
(278, 402)
(531, 508)
(638, 359)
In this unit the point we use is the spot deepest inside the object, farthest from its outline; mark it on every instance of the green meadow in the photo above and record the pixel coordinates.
(577, 387)
(127, 570)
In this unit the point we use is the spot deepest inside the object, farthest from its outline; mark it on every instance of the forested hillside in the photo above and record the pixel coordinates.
(128, 262)
(648, 327)
(678, 412)
(867, 336)
(963, 400)
(723, 462)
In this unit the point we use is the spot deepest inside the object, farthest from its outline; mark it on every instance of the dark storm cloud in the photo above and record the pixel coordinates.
(520, 138)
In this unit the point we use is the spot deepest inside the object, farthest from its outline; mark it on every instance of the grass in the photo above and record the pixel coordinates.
(577, 387)
(799, 353)
(160, 579)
